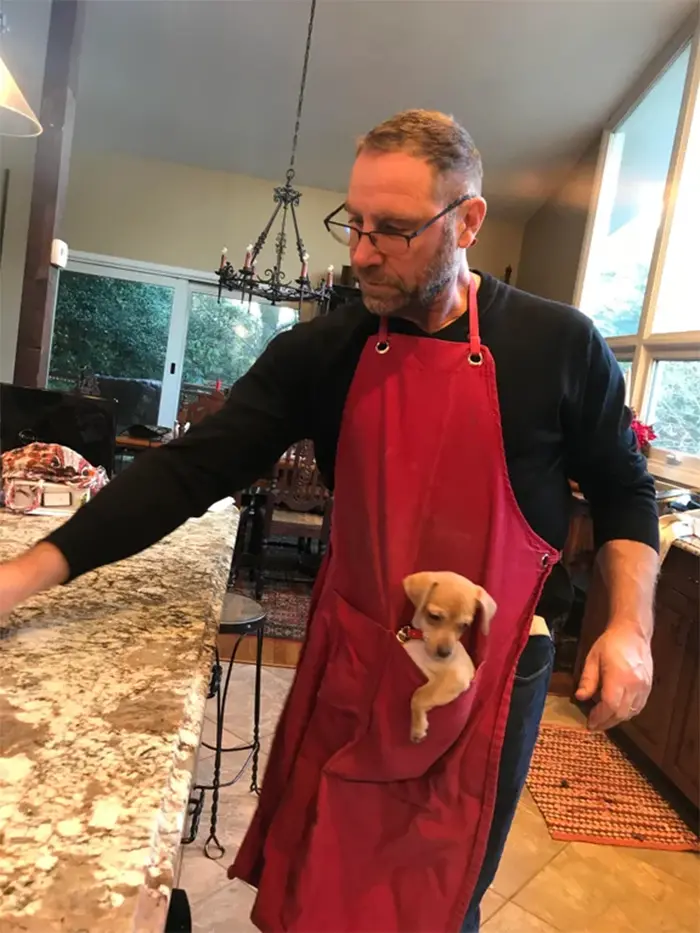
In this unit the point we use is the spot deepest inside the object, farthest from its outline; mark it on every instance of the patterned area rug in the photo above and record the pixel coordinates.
(588, 791)
(286, 605)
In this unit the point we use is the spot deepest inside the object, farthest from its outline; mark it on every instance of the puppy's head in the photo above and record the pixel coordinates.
(445, 605)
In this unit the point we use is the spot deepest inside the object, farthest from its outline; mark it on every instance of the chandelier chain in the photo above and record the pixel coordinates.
(302, 89)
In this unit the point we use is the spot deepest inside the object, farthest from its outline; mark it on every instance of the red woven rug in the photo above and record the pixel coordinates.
(287, 607)
(588, 791)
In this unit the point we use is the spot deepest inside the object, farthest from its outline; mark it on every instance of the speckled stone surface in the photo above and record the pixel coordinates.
(102, 696)
(691, 544)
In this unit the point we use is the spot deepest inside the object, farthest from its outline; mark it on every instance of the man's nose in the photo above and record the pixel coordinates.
(444, 651)
(366, 254)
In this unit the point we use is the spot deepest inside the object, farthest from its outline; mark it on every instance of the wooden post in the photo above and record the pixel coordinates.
(57, 117)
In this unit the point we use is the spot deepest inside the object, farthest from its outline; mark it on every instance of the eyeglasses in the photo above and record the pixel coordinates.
(388, 242)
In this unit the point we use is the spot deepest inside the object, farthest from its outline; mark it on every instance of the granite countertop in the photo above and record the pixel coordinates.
(690, 544)
(102, 692)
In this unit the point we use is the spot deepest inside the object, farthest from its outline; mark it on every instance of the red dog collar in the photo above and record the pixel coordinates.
(408, 633)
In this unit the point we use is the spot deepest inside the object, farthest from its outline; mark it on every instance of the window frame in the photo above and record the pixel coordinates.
(646, 348)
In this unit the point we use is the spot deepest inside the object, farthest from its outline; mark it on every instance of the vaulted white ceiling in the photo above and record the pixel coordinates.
(213, 83)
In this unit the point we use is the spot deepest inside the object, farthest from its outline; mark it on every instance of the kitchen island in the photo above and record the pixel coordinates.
(102, 691)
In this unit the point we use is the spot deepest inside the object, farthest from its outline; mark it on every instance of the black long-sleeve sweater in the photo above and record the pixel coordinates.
(563, 414)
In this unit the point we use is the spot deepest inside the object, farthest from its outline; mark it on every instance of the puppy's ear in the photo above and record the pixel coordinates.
(487, 609)
(418, 586)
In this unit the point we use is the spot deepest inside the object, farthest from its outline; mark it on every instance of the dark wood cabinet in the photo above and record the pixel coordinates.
(668, 729)
(682, 760)
(650, 729)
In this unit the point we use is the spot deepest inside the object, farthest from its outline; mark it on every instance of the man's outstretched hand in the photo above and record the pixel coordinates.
(619, 665)
(39, 569)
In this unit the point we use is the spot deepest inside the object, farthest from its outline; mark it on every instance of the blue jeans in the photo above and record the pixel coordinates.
(526, 708)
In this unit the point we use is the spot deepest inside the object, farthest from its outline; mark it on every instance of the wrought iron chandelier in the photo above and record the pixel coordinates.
(274, 286)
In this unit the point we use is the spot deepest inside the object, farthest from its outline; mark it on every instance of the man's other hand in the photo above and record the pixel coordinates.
(619, 665)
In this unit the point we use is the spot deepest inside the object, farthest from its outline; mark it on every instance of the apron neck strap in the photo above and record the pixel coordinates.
(473, 305)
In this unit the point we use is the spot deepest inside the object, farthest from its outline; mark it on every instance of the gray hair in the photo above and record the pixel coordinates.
(436, 138)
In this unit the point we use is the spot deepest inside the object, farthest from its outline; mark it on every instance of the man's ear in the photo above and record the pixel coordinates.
(487, 609)
(418, 587)
(471, 221)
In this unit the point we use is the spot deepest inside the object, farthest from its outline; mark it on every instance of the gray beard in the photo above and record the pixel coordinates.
(438, 276)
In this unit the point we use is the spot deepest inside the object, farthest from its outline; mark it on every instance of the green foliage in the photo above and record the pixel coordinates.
(225, 339)
(110, 326)
(120, 328)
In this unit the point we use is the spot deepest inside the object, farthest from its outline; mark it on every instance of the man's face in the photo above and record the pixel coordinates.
(395, 192)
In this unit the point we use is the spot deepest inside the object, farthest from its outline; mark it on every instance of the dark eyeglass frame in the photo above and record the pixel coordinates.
(408, 237)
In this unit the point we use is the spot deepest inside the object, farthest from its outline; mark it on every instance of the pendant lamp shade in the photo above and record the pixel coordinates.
(16, 116)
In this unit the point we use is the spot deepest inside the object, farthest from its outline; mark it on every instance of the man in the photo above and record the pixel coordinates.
(449, 412)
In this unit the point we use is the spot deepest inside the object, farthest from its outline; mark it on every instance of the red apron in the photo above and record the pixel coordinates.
(359, 830)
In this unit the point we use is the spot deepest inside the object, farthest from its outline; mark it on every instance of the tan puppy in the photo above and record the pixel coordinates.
(446, 604)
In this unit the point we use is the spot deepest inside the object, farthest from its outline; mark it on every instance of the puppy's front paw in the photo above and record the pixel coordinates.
(417, 735)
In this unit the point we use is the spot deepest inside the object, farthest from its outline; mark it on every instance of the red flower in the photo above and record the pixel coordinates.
(643, 432)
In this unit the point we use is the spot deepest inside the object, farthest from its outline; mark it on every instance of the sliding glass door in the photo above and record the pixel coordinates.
(225, 338)
(110, 338)
(153, 341)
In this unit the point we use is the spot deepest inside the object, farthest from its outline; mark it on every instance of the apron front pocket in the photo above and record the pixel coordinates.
(371, 674)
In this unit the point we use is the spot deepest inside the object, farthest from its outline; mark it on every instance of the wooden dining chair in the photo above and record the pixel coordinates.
(200, 407)
(297, 506)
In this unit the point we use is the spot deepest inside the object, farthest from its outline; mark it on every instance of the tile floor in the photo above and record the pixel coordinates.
(542, 886)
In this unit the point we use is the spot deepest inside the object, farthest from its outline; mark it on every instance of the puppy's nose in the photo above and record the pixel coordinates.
(444, 651)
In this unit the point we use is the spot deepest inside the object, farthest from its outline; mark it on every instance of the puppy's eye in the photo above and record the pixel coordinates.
(433, 616)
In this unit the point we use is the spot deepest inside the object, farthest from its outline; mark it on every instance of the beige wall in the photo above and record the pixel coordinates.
(554, 237)
(180, 215)
(499, 245)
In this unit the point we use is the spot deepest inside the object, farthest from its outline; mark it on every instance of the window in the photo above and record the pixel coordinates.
(638, 283)
(152, 336)
(626, 367)
(674, 405)
(630, 205)
(678, 306)
(225, 338)
(112, 332)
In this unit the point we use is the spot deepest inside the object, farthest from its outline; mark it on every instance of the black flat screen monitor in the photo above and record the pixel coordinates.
(87, 425)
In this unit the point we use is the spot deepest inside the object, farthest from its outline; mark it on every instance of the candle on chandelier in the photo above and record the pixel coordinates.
(223, 257)
(329, 277)
(248, 256)
(305, 266)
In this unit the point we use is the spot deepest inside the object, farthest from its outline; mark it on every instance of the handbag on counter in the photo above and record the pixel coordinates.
(48, 477)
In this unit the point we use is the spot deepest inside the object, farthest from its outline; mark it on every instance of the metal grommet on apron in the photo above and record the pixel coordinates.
(382, 345)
